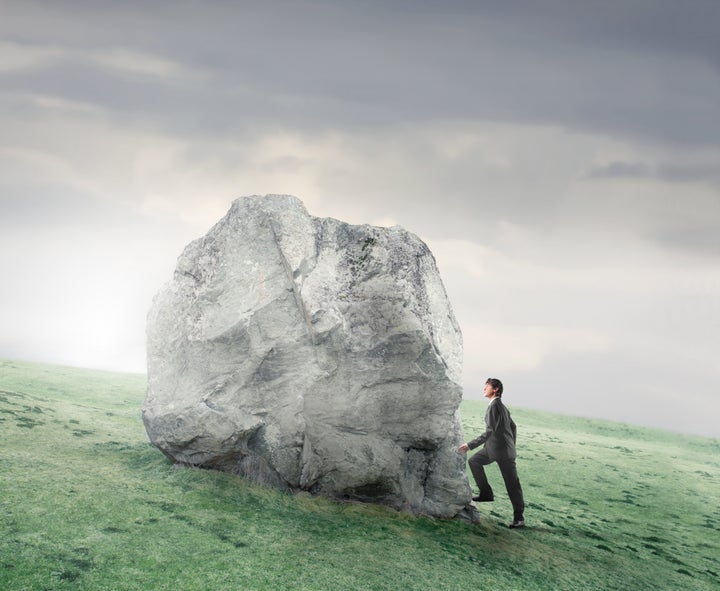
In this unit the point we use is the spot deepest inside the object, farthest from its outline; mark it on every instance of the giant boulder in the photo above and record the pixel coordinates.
(310, 354)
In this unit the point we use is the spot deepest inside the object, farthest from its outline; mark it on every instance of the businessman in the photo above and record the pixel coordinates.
(499, 439)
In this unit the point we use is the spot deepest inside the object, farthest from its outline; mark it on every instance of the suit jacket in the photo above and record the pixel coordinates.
(500, 433)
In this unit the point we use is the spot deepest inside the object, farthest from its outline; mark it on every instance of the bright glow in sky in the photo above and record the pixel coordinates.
(561, 160)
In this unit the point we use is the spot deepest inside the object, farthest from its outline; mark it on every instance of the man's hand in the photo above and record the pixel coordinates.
(463, 448)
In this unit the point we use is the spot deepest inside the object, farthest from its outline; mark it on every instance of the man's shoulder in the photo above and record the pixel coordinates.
(500, 408)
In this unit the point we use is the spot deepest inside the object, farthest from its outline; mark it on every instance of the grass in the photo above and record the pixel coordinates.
(87, 503)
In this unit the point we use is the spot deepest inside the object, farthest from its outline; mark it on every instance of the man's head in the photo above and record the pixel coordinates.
(493, 387)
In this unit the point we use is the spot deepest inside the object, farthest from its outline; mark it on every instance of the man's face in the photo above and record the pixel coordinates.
(489, 391)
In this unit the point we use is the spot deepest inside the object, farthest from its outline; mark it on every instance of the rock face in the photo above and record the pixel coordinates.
(307, 353)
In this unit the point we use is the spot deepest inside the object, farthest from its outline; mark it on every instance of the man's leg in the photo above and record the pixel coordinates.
(476, 463)
(509, 473)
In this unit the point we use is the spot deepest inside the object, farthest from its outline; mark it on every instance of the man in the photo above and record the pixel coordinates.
(499, 439)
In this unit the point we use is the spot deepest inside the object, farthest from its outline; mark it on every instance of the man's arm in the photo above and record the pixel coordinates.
(492, 422)
(478, 441)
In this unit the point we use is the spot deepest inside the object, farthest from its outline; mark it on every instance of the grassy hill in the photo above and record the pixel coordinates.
(87, 503)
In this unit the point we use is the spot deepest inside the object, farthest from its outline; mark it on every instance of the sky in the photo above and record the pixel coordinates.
(561, 159)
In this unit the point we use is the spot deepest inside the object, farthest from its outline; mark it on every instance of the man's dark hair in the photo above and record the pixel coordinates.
(497, 384)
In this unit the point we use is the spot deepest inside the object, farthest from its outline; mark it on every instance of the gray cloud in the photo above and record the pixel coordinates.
(685, 218)
(696, 240)
(562, 155)
(685, 172)
(43, 204)
(620, 169)
(644, 68)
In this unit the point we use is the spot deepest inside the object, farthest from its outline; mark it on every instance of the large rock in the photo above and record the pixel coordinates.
(307, 353)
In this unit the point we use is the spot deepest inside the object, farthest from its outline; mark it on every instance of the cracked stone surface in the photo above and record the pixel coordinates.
(307, 353)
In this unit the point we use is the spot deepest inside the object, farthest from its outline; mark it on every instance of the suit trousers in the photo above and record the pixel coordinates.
(509, 473)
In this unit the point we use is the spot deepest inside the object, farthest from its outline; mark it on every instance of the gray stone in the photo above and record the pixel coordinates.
(310, 354)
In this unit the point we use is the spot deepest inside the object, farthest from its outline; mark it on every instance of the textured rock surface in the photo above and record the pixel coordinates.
(307, 353)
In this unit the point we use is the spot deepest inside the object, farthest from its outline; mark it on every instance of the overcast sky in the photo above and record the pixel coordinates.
(560, 158)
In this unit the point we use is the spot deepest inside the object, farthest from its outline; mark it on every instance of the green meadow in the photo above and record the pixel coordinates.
(87, 503)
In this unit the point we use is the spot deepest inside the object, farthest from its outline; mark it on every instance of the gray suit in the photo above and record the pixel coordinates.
(499, 439)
